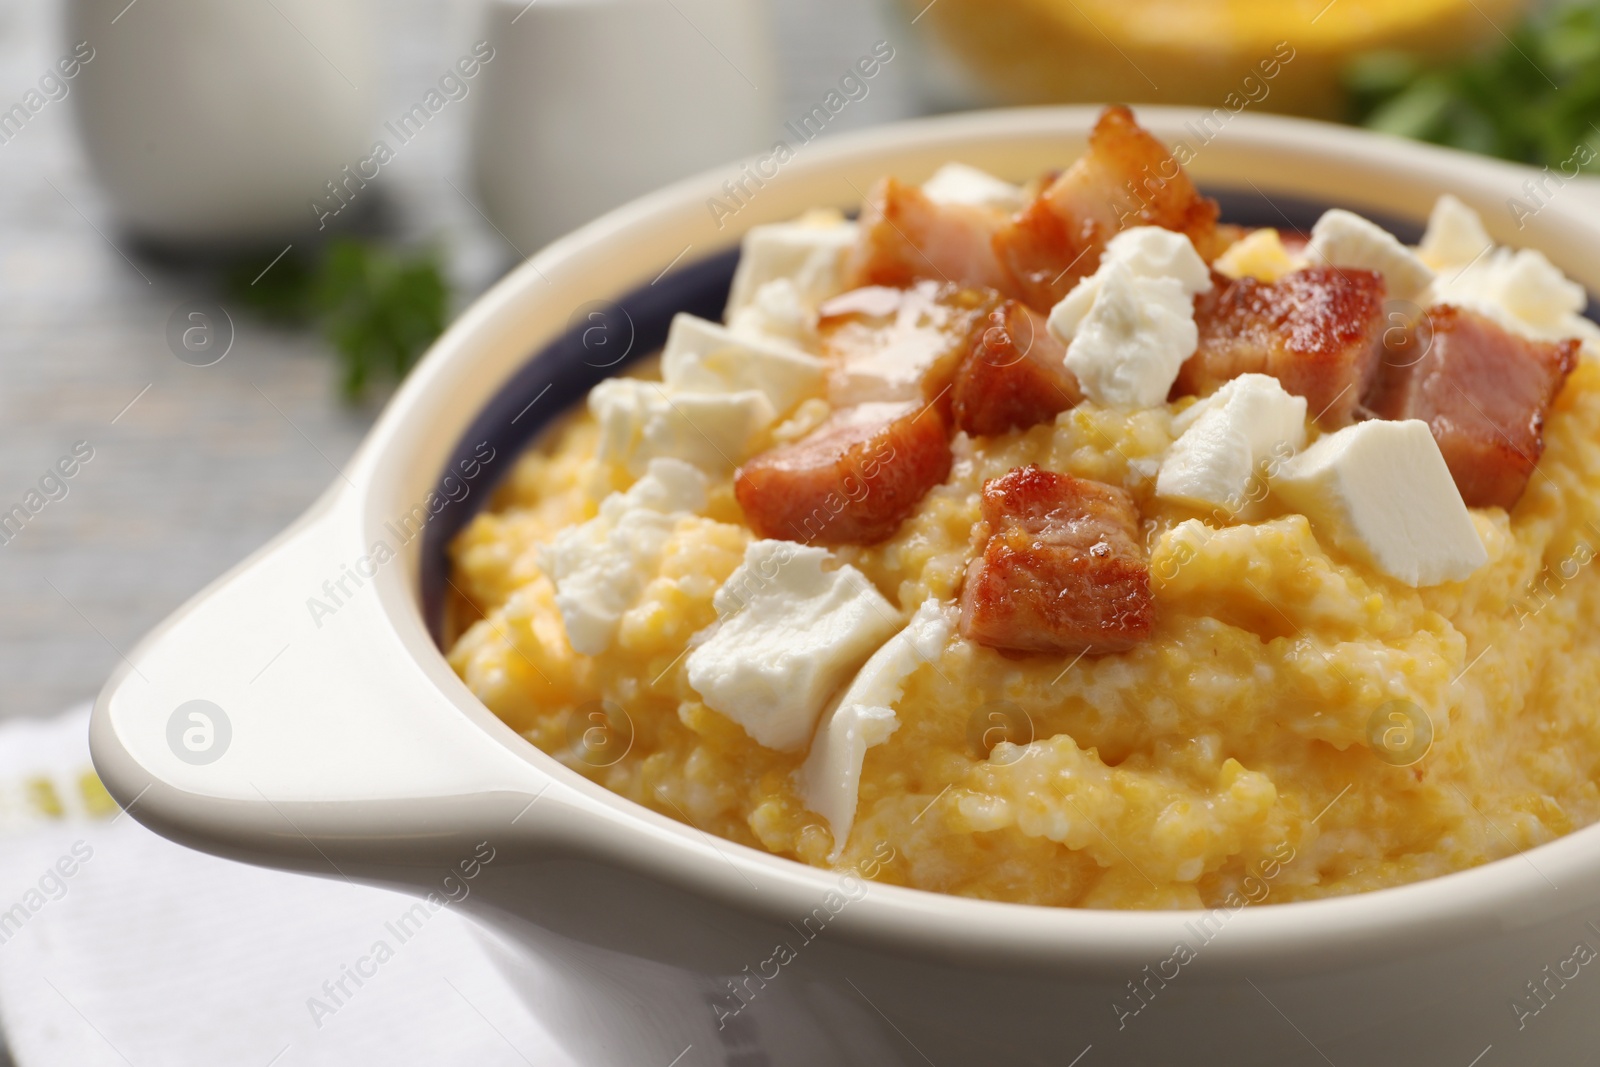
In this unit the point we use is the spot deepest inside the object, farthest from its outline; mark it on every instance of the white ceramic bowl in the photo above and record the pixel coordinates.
(353, 749)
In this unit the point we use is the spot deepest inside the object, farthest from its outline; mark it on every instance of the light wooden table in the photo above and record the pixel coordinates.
(195, 467)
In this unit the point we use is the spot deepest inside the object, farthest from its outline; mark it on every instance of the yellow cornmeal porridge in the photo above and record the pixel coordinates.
(1160, 777)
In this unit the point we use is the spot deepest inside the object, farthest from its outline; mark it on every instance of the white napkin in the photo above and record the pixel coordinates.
(118, 947)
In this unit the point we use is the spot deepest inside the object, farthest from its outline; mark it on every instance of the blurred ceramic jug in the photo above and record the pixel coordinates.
(210, 122)
(590, 103)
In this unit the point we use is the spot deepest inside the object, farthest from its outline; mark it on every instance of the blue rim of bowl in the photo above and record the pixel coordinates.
(603, 336)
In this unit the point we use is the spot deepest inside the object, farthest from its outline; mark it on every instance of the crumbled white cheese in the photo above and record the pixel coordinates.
(1129, 326)
(1344, 239)
(789, 632)
(1381, 491)
(640, 421)
(957, 183)
(1146, 252)
(1259, 254)
(810, 252)
(1519, 289)
(1127, 351)
(704, 357)
(1535, 291)
(864, 716)
(778, 311)
(1225, 439)
(1455, 235)
(600, 567)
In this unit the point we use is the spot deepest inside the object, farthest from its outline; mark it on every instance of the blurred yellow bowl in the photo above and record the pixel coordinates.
(1279, 55)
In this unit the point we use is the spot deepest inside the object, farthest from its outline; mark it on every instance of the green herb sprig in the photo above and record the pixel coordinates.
(1534, 98)
(378, 307)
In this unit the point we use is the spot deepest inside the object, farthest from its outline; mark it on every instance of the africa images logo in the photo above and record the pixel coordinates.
(199, 732)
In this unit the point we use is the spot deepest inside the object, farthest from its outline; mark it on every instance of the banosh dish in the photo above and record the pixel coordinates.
(1071, 544)
(349, 739)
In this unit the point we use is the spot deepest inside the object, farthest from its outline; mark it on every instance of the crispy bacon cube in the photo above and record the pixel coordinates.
(906, 237)
(1014, 376)
(1062, 571)
(1318, 331)
(852, 481)
(1483, 391)
(883, 344)
(1127, 178)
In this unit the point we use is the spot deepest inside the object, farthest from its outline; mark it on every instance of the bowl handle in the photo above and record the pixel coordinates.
(297, 708)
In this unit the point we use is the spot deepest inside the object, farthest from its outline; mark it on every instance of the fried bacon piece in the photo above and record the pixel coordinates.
(1484, 392)
(1062, 571)
(1015, 375)
(906, 237)
(1127, 178)
(851, 481)
(1318, 331)
(884, 344)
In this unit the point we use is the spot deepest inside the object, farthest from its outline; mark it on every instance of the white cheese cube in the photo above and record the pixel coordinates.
(640, 421)
(1344, 239)
(600, 567)
(1381, 491)
(810, 252)
(864, 716)
(1455, 235)
(957, 183)
(788, 634)
(1145, 252)
(778, 312)
(705, 357)
(1225, 439)
(1127, 350)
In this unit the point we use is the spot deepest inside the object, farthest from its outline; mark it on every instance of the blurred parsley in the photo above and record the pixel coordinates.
(1533, 99)
(379, 308)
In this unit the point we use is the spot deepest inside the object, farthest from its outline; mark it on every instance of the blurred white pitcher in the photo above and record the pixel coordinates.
(592, 102)
(209, 121)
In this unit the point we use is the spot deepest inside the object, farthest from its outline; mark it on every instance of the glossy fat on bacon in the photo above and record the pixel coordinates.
(1127, 178)
(1014, 376)
(906, 237)
(1483, 391)
(881, 343)
(1062, 571)
(852, 481)
(1318, 331)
